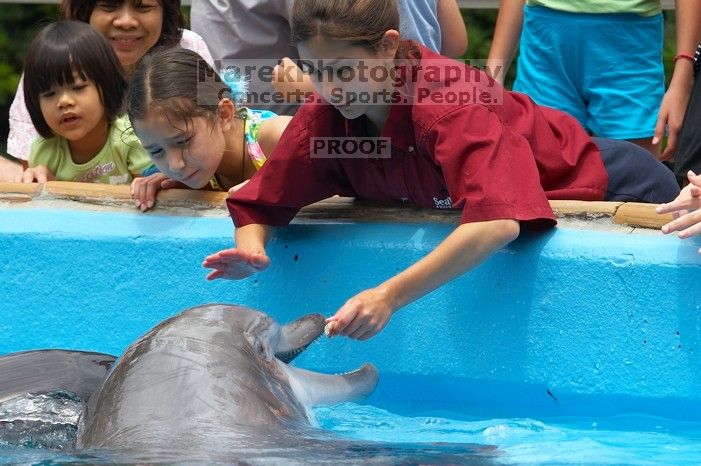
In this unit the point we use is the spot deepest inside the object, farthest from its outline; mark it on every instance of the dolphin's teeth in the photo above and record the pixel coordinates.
(350, 372)
(287, 356)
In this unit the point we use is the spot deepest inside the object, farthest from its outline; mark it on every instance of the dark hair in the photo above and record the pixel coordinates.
(177, 82)
(362, 22)
(173, 20)
(59, 50)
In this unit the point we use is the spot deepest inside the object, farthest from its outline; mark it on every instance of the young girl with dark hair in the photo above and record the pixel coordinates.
(131, 27)
(190, 126)
(458, 140)
(74, 89)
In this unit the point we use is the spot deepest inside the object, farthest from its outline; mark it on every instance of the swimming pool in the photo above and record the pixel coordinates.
(565, 345)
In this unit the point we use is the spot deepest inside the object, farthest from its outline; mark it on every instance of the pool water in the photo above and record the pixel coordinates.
(429, 439)
(570, 346)
(634, 440)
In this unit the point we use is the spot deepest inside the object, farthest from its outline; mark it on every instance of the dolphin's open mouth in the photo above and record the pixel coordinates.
(296, 336)
(287, 356)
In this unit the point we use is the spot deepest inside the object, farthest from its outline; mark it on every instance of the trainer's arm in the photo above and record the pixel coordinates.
(367, 313)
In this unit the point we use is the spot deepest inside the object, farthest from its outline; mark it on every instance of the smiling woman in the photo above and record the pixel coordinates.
(132, 27)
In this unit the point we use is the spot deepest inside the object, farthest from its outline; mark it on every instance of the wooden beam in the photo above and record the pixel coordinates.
(336, 208)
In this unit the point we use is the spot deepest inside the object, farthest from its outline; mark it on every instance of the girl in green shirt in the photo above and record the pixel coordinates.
(74, 88)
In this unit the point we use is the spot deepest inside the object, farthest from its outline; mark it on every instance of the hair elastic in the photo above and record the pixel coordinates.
(685, 55)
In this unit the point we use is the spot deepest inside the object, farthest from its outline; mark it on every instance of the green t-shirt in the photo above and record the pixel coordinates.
(120, 160)
(640, 7)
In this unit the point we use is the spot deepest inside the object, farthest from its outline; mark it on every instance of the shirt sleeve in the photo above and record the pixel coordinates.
(490, 171)
(139, 163)
(137, 158)
(34, 154)
(45, 152)
(289, 180)
(22, 133)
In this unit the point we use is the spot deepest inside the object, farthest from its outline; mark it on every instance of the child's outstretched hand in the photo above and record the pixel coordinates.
(235, 264)
(145, 188)
(686, 209)
(38, 174)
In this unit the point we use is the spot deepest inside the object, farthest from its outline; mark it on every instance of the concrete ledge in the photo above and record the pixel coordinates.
(182, 201)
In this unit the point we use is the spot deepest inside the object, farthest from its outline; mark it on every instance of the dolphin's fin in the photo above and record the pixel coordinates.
(78, 372)
(324, 389)
(297, 335)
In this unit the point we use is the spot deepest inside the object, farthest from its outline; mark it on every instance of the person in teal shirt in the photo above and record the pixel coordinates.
(601, 61)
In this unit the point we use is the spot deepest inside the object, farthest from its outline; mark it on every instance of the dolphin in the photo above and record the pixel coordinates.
(212, 384)
(214, 365)
(78, 372)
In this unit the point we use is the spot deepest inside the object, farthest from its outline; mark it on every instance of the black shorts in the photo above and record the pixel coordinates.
(635, 174)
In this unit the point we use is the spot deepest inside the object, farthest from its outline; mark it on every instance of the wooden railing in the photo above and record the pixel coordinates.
(52, 193)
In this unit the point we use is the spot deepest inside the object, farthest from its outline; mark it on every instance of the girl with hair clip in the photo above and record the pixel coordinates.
(192, 129)
(132, 28)
(457, 140)
(74, 89)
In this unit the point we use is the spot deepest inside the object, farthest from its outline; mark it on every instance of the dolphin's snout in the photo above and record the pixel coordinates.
(296, 336)
(364, 380)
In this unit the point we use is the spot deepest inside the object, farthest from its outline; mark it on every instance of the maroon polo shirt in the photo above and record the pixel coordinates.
(500, 160)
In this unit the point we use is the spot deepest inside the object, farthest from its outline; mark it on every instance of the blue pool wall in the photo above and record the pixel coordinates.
(567, 322)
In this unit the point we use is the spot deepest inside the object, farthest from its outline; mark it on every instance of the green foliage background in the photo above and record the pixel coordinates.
(19, 23)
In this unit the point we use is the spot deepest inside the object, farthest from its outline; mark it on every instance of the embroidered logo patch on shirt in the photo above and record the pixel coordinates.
(446, 203)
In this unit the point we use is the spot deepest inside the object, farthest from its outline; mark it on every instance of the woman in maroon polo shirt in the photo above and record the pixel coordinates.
(395, 121)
